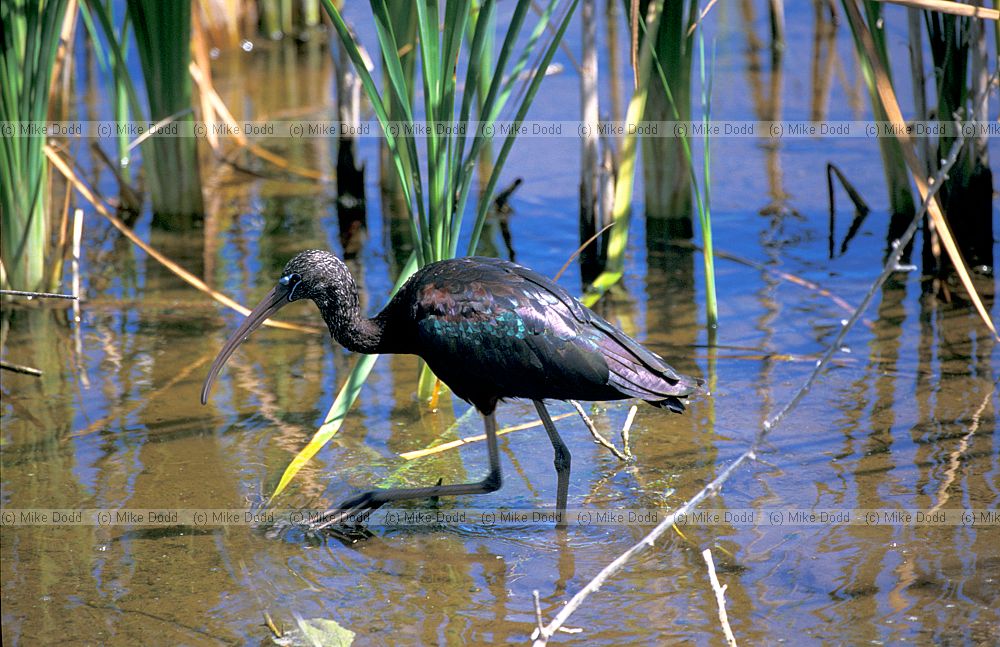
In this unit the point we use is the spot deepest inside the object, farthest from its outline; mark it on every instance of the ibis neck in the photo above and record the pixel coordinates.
(341, 311)
(366, 336)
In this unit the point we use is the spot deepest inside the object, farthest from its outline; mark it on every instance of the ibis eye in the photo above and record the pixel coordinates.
(291, 281)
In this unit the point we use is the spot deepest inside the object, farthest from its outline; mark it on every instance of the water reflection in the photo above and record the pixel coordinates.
(143, 442)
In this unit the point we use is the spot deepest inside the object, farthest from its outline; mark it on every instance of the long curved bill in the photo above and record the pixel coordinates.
(275, 300)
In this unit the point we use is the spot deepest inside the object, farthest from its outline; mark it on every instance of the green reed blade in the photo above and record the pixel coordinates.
(162, 32)
(495, 100)
(368, 83)
(702, 190)
(29, 41)
(625, 183)
(477, 54)
(342, 404)
(390, 56)
(536, 82)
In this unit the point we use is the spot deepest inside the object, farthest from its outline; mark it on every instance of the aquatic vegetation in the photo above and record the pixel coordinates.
(437, 193)
(163, 39)
(959, 79)
(666, 166)
(897, 179)
(30, 41)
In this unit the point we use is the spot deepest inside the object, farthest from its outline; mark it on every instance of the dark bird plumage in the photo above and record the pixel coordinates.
(491, 330)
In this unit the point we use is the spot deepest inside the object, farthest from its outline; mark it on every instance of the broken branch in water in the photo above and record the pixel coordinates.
(20, 368)
(598, 438)
(720, 597)
(625, 430)
(594, 584)
(37, 295)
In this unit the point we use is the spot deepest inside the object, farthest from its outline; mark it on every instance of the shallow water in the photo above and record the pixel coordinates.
(903, 420)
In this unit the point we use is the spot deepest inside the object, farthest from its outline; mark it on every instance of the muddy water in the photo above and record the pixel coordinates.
(903, 420)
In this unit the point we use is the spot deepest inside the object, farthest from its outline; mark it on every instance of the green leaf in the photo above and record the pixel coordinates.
(368, 83)
(342, 404)
(621, 212)
(522, 111)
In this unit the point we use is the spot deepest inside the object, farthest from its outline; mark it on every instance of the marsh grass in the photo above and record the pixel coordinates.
(666, 166)
(649, 59)
(436, 192)
(29, 41)
(701, 189)
(958, 53)
(957, 47)
(901, 202)
(163, 39)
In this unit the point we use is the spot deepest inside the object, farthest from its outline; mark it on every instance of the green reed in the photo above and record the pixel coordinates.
(284, 18)
(112, 57)
(163, 39)
(29, 41)
(897, 177)
(459, 124)
(437, 191)
(702, 189)
(621, 211)
(666, 166)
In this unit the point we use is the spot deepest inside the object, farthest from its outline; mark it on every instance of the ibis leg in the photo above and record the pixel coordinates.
(349, 510)
(562, 456)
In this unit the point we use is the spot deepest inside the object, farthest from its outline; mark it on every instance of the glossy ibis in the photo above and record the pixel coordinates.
(491, 330)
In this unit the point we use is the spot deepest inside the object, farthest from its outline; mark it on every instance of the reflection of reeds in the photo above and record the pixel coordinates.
(284, 18)
(29, 40)
(63, 167)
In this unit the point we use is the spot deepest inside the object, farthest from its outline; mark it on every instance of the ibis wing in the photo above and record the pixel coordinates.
(489, 331)
(494, 329)
(634, 369)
